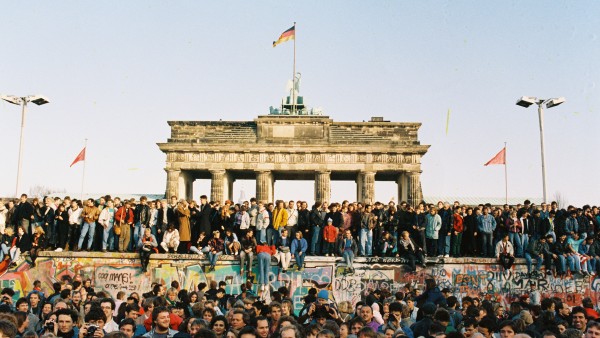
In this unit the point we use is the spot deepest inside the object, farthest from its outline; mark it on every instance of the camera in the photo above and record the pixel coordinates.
(50, 326)
(5, 299)
(91, 329)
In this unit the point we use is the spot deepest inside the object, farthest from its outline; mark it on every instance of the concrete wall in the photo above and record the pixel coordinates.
(473, 277)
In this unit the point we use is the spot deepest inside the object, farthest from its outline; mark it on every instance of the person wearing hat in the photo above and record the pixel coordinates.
(321, 308)
(329, 238)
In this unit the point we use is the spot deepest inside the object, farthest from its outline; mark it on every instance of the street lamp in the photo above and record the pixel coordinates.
(526, 101)
(22, 101)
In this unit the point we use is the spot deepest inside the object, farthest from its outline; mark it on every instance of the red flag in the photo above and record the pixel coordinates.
(80, 157)
(500, 158)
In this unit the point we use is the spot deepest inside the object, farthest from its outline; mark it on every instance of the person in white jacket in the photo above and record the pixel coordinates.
(505, 252)
(170, 240)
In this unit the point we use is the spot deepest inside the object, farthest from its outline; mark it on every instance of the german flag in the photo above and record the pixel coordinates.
(288, 35)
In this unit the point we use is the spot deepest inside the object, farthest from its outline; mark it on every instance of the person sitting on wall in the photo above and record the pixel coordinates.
(201, 248)
(505, 252)
(217, 246)
(409, 250)
(170, 240)
(147, 245)
(348, 248)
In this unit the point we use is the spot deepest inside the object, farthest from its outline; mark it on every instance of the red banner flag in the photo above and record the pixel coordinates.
(500, 158)
(80, 157)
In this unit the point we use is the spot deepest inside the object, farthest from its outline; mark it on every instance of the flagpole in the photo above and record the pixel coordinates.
(83, 175)
(294, 75)
(505, 174)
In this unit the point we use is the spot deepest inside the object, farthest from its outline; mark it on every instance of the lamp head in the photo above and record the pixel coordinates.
(12, 99)
(555, 102)
(526, 101)
(37, 99)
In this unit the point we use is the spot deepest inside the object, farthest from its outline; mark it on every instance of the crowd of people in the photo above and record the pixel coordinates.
(75, 309)
(560, 241)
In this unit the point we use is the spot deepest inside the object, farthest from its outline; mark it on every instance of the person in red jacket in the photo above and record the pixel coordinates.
(457, 230)
(264, 253)
(329, 238)
(124, 219)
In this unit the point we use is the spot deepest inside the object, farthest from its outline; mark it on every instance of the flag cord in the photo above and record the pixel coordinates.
(505, 174)
(83, 174)
(294, 75)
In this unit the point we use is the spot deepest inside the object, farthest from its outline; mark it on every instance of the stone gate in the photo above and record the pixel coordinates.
(297, 147)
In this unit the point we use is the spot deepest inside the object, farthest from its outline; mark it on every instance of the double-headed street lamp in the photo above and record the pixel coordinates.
(526, 101)
(22, 101)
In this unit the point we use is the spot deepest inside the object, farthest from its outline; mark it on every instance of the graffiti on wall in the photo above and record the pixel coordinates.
(116, 274)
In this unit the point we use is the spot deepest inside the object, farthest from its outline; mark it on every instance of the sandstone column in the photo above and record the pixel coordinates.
(415, 195)
(366, 184)
(323, 186)
(217, 185)
(172, 183)
(264, 186)
(402, 188)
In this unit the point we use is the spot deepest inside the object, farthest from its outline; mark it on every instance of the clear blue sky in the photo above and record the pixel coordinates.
(116, 71)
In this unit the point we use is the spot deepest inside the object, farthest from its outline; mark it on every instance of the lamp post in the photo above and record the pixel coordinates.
(22, 101)
(526, 101)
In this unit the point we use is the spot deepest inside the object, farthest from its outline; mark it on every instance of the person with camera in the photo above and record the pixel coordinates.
(147, 245)
(321, 308)
(63, 325)
(94, 324)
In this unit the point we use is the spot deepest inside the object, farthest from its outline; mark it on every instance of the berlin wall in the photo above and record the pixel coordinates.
(473, 277)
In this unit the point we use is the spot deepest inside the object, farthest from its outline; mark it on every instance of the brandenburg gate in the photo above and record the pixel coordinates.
(294, 147)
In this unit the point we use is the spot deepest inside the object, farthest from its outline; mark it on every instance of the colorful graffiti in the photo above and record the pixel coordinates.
(122, 272)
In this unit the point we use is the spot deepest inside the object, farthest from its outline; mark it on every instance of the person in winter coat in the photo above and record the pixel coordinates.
(6, 237)
(299, 247)
(410, 251)
(433, 224)
(505, 252)
(248, 247)
(38, 243)
(185, 232)
(457, 232)
(329, 238)
(147, 245)
(348, 249)
(20, 243)
(264, 254)
(431, 294)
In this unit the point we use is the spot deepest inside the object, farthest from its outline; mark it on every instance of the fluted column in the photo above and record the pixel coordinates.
(366, 183)
(172, 183)
(415, 195)
(264, 186)
(217, 185)
(402, 188)
(323, 186)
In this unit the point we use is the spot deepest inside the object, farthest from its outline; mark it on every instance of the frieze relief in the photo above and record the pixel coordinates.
(308, 158)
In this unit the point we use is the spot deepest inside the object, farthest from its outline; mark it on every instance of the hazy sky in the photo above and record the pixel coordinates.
(116, 71)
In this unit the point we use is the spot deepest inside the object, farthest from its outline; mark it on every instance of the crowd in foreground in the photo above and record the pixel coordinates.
(75, 309)
(560, 241)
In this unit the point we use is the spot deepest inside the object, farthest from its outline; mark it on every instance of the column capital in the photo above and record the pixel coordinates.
(217, 171)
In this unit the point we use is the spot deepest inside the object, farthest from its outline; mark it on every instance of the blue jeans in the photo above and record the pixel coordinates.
(315, 242)
(538, 261)
(366, 242)
(349, 258)
(592, 264)
(87, 228)
(300, 260)
(214, 257)
(3, 251)
(524, 241)
(108, 238)
(262, 235)
(272, 236)
(264, 263)
(574, 263)
(515, 239)
(135, 236)
(486, 245)
(443, 243)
